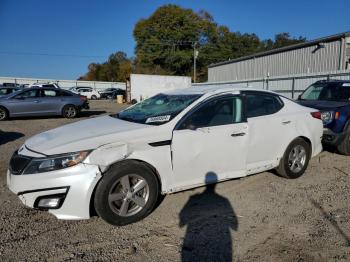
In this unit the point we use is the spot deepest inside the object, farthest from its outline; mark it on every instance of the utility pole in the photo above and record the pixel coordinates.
(186, 43)
(195, 55)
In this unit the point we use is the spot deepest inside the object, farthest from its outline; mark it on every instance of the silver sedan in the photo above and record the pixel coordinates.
(42, 102)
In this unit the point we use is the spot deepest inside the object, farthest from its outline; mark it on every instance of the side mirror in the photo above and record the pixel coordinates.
(299, 97)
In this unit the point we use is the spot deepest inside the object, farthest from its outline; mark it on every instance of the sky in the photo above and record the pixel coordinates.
(57, 39)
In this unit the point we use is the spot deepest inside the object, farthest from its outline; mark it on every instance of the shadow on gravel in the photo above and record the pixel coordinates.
(330, 149)
(209, 218)
(330, 217)
(80, 115)
(6, 137)
(91, 113)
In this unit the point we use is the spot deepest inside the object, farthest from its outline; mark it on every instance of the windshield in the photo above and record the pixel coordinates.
(327, 91)
(158, 109)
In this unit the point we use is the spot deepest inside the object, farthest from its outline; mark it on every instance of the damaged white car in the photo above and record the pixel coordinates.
(119, 165)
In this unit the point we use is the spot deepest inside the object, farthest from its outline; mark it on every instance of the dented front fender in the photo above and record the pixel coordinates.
(108, 154)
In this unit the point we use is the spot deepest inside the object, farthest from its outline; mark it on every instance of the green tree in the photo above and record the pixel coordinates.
(116, 68)
(164, 42)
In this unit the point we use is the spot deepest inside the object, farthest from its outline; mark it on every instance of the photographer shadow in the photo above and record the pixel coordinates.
(209, 218)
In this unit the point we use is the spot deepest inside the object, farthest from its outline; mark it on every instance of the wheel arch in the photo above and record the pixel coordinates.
(69, 104)
(307, 140)
(5, 108)
(284, 148)
(92, 210)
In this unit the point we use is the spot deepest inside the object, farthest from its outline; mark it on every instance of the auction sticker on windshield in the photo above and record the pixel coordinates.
(158, 119)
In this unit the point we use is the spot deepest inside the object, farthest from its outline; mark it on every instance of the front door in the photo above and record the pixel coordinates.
(209, 144)
(25, 103)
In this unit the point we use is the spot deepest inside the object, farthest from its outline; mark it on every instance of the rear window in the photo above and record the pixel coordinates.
(65, 93)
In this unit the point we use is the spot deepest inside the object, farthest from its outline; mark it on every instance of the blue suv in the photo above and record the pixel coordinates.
(332, 98)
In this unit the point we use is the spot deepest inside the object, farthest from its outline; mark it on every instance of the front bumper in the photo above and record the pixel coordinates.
(76, 184)
(331, 138)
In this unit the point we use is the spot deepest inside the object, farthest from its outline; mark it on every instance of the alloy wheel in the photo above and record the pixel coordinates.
(128, 195)
(2, 114)
(70, 112)
(297, 158)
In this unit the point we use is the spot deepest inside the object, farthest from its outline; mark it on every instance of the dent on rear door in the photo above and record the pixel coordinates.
(268, 137)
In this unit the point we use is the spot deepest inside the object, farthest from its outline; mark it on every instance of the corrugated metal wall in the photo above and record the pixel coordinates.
(290, 86)
(298, 61)
(66, 84)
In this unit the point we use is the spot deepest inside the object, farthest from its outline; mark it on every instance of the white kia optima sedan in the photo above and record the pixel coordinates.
(118, 165)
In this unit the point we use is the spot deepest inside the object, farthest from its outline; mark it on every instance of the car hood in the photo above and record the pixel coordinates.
(323, 105)
(85, 135)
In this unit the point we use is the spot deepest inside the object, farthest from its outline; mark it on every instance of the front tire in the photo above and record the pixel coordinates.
(69, 111)
(127, 193)
(344, 147)
(295, 159)
(3, 114)
(93, 97)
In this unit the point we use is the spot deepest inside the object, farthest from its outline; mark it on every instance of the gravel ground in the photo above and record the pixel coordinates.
(258, 218)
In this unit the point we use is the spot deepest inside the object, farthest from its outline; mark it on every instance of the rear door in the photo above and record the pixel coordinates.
(51, 101)
(210, 140)
(270, 129)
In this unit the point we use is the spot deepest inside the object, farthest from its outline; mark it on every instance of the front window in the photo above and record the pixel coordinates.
(158, 109)
(216, 112)
(28, 94)
(327, 91)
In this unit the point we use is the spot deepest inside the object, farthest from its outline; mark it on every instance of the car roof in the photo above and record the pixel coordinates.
(46, 88)
(213, 89)
(333, 81)
(11, 87)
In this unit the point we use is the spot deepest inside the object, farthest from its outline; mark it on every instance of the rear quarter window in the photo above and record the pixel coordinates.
(259, 104)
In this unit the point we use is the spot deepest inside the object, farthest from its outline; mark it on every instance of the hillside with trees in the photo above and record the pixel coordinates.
(165, 42)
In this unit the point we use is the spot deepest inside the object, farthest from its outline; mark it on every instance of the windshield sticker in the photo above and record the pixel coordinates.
(158, 119)
(346, 84)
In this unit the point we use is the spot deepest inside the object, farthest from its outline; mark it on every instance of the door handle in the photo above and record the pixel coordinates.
(286, 122)
(36, 101)
(238, 134)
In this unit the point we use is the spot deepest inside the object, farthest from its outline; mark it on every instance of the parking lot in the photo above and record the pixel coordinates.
(268, 218)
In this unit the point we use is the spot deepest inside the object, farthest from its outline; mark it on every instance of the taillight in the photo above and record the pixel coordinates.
(83, 98)
(316, 114)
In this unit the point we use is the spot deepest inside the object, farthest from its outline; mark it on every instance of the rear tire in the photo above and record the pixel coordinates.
(344, 147)
(93, 97)
(295, 159)
(3, 113)
(69, 111)
(127, 193)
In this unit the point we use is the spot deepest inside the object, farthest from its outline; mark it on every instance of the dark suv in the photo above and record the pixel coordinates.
(332, 98)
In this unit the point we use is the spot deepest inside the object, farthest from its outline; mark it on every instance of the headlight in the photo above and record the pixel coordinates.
(327, 117)
(40, 165)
